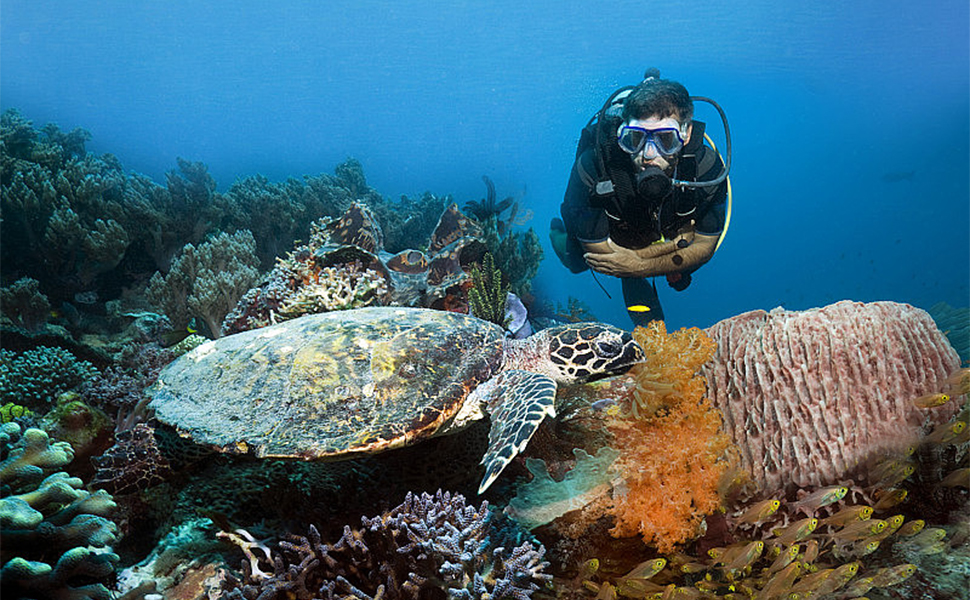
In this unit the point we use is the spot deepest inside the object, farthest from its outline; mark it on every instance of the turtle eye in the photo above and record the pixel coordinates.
(608, 344)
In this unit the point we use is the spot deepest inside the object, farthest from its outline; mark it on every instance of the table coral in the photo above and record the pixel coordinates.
(56, 539)
(814, 397)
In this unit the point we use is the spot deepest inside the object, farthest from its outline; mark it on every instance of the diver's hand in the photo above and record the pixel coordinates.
(615, 260)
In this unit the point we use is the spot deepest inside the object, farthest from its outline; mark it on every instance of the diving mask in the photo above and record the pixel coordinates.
(633, 139)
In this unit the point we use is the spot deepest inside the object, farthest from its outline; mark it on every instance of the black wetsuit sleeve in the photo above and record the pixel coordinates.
(583, 222)
(710, 219)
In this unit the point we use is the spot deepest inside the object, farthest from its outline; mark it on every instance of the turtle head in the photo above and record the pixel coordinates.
(590, 351)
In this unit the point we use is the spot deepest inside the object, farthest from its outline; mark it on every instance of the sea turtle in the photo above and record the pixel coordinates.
(344, 383)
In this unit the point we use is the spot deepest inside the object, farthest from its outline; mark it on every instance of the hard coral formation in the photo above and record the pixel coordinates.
(344, 265)
(427, 547)
(672, 454)
(207, 281)
(36, 378)
(24, 304)
(811, 397)
(56, 539)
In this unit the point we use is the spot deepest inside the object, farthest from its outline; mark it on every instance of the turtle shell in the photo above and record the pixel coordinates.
(329, 385)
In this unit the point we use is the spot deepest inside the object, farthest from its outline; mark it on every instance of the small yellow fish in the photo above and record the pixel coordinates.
(781, 583)
(796, 532)
(863, 547)
(962, 436)
(858, 587)
(931, 400)
(912, 528)
(820, 498)
(748, 555)
(959, 382)
(784, 559)
(849, 514)
(888, 499)
(957, 478)
(860, 530)
(757, 513)
(944, 434)
(888, 576)
(900, 474)
(839, 578)
(647, 569)
(926, 538)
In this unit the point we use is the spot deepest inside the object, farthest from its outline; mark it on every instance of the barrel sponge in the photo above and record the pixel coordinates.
(813, 397)
(56, 537)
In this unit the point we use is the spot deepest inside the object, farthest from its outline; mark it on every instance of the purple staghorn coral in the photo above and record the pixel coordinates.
(428, 547)
(813, 397)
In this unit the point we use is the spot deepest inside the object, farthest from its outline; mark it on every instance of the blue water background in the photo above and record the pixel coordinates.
(832, 105)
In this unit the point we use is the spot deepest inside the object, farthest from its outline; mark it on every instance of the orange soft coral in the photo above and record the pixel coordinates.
(668, 435)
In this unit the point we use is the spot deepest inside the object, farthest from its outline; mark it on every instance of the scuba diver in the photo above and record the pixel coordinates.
(646, 197)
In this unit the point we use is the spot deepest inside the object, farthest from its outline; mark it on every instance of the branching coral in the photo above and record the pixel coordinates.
(37, 377)
(667, 433)
(207, 282)
(56, 539)
(426, 547)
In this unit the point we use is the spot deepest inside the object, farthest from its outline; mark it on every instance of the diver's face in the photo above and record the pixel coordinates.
(649, 155)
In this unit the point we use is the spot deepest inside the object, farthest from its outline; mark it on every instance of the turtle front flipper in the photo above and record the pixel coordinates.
(517, 402)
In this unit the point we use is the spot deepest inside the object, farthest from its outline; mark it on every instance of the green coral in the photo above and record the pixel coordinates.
(206, 281)
(489, 292)
(56, 537)
(37, 377)
(517, 254)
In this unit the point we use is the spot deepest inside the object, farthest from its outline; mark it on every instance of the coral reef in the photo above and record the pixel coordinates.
(658, 476)
(812, 397)
(344, 265)
(24, 305)
(425, 547)
(36, 378)
(278, 214)
(517, 255)
(71, 216)
(56, 539)
(206, 282)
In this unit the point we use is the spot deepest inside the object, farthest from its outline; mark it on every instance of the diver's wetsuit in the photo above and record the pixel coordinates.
(588, 217)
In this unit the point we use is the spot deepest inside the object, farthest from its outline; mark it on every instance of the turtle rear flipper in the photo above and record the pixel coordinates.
(517, 402)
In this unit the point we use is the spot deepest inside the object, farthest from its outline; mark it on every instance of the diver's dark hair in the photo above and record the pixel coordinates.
(656, 97)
